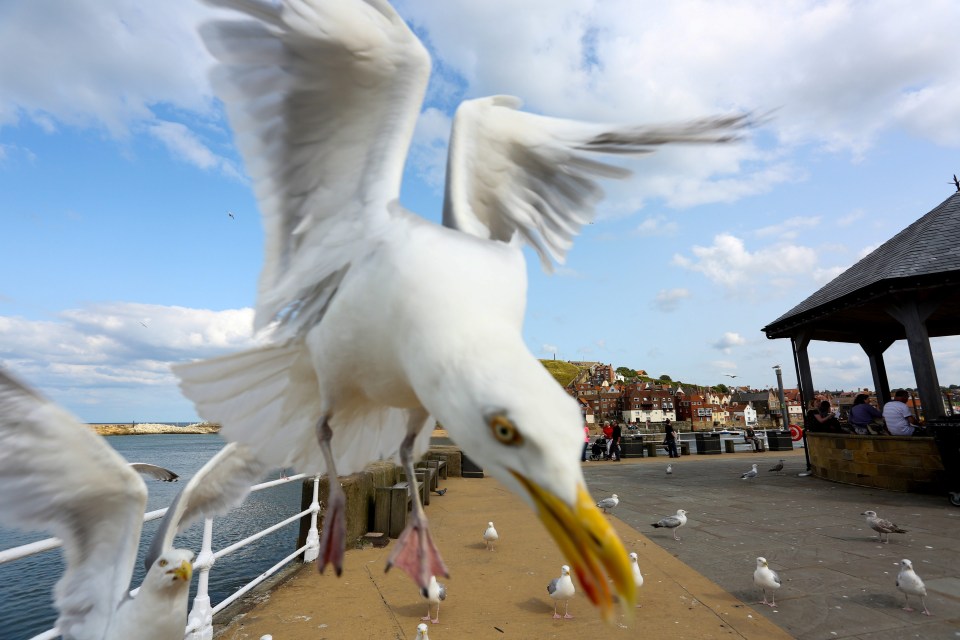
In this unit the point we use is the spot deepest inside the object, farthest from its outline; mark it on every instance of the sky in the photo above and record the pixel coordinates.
(118, 176)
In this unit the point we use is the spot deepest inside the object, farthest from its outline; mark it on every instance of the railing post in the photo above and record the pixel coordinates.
(313, 536)
(200, 620)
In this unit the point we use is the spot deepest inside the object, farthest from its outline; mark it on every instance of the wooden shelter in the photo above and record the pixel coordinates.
(906, 289)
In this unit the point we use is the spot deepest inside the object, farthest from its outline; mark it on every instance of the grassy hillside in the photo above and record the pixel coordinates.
(563, 372)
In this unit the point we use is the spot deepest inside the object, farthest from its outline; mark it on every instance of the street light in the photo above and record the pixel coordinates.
(783, 402)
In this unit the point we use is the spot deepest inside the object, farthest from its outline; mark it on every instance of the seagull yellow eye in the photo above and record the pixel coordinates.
(504, 431)
(162, 563)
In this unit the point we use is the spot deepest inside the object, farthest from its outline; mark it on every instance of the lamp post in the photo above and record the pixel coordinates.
(783, 401)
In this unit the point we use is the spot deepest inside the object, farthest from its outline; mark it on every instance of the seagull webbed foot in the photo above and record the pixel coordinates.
(334, 536)
(416, 554)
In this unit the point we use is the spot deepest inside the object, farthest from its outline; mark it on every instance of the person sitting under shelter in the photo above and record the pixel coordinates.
(862, 414)
(822, 420)
(900, 420)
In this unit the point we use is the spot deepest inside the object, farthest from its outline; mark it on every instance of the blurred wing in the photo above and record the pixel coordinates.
(57, 475)
(552, 586)
(775, 576)
(323, 98)
(155, 472)
(670, 522)
(219, 486)
(511, 172)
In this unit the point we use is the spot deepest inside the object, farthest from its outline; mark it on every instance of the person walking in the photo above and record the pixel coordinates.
(670, 439)
(615, 448)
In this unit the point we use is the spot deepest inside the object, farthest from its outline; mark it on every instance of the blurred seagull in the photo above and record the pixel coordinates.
(609, 503)
(956, 182)
(766, 578)
(881, 526)
(669, 469)
(57, 475)
(562, 589)
(730, 375)
(230, 213)
(672, 522)
(435, 593)
(324, 97)
(777, 468)
(750, 474)
(911, 585)
(490, 535)
(422, 632)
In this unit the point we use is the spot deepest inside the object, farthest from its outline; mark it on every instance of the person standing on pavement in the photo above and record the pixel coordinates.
(586, 442)
(900, 420)
(670, 439)
(615, 448)
(608, 435)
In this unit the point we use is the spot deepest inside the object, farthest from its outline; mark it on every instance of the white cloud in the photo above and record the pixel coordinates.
(790, 228)
(656, 226)
(728, 262)
(185, 145)
(428, 152)
(729, 340)
(549, 349)
(668, 300)
(100, 354)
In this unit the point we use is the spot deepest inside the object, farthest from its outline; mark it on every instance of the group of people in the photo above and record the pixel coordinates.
(607, 445)
(896, 419)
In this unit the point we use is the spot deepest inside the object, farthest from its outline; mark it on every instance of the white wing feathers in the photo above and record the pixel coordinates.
(514, 172)
(323, 98)
(220, 485)
(57, 475)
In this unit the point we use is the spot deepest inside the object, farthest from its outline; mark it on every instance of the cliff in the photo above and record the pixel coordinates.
(153, 429)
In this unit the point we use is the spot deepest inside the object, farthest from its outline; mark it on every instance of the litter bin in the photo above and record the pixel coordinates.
(779, 440)
(946, 433)
(708, 443)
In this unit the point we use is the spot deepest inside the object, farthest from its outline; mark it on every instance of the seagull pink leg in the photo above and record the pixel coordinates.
(566, 611)
(555, 614)
(415, 553)
(334, 535)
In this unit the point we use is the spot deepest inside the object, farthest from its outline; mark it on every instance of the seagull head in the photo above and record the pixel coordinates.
(633, 557)
(522, 428)
(906, 565)
(172, 569)
(422, 632)
(761, 562)
(869, 514)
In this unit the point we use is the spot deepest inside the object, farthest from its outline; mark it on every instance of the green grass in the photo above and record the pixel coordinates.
(562, 372)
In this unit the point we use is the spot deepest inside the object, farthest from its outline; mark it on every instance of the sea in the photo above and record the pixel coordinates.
(26, 586)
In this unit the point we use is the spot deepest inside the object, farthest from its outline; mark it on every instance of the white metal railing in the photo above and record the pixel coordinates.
(200, 620)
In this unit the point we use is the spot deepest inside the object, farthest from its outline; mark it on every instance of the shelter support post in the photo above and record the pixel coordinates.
(801, 360)
(913, 316)
(874, 349)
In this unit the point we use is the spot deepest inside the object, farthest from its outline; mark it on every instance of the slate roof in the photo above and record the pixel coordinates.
(922, 261)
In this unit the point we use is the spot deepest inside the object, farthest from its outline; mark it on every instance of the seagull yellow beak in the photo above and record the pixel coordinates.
(184, 571)
(590, 545)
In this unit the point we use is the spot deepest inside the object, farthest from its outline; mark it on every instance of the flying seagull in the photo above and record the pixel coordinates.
(730, 375)
(230, 213)
(323, 97)
(672, 522)
(609, 503)
(777, 468)
(490, 535)
(57, 475)
(435, 593)
(748, 475)
(956, 182)
(766, 578)
(562, 589)
(911, 585)
(881, 526)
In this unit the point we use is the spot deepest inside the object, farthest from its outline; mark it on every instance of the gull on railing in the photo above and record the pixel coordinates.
(200, 620)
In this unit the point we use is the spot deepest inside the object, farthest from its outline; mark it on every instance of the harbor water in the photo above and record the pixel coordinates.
(26, 586)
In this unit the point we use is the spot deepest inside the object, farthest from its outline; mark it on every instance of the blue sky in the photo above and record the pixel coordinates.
(117, 172)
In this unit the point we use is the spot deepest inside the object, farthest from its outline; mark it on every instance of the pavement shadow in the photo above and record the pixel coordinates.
(476, 545)
(535, 605)
(411, 610)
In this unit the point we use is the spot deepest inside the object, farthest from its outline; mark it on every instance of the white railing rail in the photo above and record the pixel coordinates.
(200, 620)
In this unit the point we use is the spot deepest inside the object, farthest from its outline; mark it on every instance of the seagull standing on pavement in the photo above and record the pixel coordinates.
(324, 97)
(635, 567)
(777, 468)
(435, 593)
(766, 578)
(422, 632)
(672, 522)
(669, 469)
(562, 589)
(490, 535)
(881, 526)
(911, 585)
(609, 503)
(750, 474)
